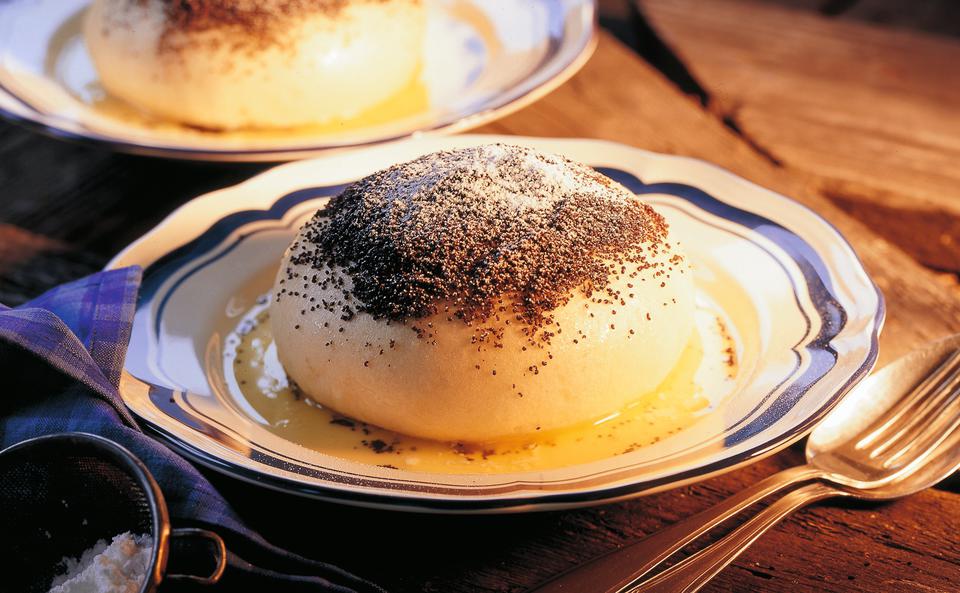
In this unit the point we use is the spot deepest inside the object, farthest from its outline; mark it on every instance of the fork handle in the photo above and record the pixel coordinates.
(696, 571)
(620, 568)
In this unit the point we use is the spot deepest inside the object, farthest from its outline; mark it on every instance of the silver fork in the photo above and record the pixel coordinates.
(885, 429)
(696, 571)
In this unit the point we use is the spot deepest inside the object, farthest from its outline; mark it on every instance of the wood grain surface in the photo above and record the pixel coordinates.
(929, 16)
(66, 208)
(869, 112)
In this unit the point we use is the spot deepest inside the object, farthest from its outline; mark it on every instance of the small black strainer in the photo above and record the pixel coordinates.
(61, 493)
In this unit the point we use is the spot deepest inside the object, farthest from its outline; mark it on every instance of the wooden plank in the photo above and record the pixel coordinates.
(31, 264)
(931, 16)
(868, 112)
(618, 18)
(92, 198)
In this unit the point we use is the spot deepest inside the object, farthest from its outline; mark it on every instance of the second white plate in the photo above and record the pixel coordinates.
(481, 61)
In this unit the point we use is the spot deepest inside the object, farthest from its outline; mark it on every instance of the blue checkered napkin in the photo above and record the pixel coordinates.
(81, 329)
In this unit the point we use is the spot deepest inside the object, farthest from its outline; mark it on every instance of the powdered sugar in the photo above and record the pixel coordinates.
(118, 567)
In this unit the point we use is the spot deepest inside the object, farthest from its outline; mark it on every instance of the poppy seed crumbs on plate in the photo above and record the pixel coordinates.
(493, 232)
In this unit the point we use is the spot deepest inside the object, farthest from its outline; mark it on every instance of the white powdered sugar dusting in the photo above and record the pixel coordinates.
(118, 567)
(506, 176)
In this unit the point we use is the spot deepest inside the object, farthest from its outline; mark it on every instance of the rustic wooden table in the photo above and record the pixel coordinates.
(854, 118)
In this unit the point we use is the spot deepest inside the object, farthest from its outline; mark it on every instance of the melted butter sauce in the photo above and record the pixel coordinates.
(410, 100)
(260, 387)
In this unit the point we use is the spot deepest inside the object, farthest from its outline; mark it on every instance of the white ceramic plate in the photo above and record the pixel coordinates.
(803, 311)
(482, 60)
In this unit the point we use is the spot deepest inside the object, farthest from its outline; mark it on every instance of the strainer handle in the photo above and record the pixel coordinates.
(221, 551)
